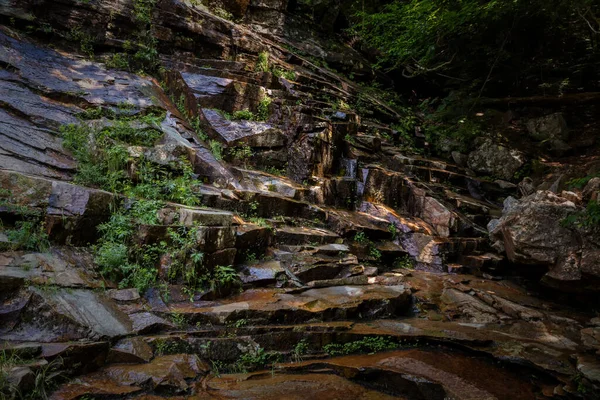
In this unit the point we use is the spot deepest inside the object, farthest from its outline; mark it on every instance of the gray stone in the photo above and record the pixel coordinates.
(496, 160)
(549, 127)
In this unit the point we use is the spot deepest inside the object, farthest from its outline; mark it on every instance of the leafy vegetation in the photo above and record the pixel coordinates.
(467, 38)
(45, 380)
(104, 161)
(588, 218)
(364, 345)
(28, 235)
(121, 258)
(262, 62)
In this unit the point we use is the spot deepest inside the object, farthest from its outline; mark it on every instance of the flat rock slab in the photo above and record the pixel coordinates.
(419, 374)
(204, 217)
(332, 303)
(57, 314)
(56, 268)
(248, 133)
(291, 387)
(262, 273)
(292, 235)
(130, 351)
(168, 373)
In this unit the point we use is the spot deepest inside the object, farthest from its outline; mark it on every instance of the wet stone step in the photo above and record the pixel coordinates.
(302, 236)
(279, 306)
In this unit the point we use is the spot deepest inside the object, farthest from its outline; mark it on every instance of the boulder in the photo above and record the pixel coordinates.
(532, 232)
(496, 160)
(591, 190)
(551, 127)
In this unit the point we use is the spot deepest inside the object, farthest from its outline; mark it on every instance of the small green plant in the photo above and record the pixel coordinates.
(178, 319)
(373, 252)
(360, 237)
(216, 149)
(300, 350)
(262, 63)
(250, 257)
(263, 110)
(580, 183)
(393, 230)
(240, 323)
(255, 360)
(243, 114)
(28, 235)
(275, 171)
(222, 13)
(118, 61)
(280, 73)
(404, 262)
(588, 218)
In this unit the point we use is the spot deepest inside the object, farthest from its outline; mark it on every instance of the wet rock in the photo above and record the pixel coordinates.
(68, 314)
(165, 372)
(293, 387)
(145, 322)
(63, 267)
(352, 280)
(93, 386)
(81, 357)
(571, 196)
(326, 304)
(432, 211)
(124, 295)
(252, 238)
(464, 304)
(300, 235)
(496, 160)
(263, 273)
(333, 249)
(591, 338)
(130, 351)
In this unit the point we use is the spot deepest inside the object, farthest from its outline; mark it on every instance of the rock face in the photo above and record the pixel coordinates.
(313, 232)
(551, 129)
(495, 160)
(533, 231)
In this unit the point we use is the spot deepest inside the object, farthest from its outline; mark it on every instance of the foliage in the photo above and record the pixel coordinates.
(588, 218)
(364, 345)
(46, 377)
(28, 235)
(262, 112)
(438, 36)
(103, 161)
(300, 349)
(216, 149)
(122, 261)
(374, 252)
(393, 230)
(404, 262)
(262, 63)
(286, 74)
(580, 183)
(243, 114)
(360, 237)
(254, 360)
